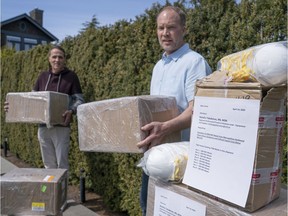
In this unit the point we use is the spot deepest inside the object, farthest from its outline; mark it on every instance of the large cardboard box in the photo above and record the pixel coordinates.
(266, 176)
(37, 107)
(32, 191)
(114, 125)
(212, 206)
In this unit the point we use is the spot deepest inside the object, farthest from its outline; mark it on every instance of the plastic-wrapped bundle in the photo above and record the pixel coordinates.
(266, 63)
(166, 162)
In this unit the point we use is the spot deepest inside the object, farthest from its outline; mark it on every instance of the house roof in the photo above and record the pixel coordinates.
(25, 16)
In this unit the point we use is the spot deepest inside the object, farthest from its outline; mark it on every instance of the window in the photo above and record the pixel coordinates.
(29, 43)
(13, 42)
(22, 26)
(44, 42)
(30, 40)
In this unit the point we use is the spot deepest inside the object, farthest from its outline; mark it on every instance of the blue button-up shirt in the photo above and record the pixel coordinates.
(175, 75)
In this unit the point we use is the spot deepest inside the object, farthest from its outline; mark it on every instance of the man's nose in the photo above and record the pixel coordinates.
(166, 32)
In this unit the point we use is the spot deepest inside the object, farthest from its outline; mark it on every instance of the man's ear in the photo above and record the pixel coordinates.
(184, 31)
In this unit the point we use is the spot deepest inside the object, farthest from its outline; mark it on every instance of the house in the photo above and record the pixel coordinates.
(23, 32)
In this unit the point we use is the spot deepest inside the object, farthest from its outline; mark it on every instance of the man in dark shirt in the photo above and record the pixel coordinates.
(55, 141)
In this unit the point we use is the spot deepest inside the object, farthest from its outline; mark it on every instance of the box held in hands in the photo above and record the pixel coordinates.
(114, 125)
(44, 107)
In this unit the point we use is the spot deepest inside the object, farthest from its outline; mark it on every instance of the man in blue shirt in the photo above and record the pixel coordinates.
(173, 75)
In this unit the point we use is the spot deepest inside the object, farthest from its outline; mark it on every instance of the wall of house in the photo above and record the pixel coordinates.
(27, 33)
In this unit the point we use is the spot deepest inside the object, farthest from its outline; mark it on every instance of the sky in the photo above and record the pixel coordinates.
(64, 18)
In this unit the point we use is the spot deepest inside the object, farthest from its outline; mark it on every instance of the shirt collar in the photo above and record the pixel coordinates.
(177, 54)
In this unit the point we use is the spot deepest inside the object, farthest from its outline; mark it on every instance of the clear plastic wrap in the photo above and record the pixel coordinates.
(114, 125)
(43, 107)
(266, 63)
(33, 191)
(166, 162)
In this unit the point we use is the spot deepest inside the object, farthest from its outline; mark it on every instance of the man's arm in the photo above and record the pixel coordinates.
(158, 130)
(76, 100)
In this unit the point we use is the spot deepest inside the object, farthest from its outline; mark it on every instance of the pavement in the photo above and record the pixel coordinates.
(72, 208)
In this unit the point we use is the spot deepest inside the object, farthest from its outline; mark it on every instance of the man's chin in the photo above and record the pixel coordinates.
(57, 70)
(167, 44)
(168, 49)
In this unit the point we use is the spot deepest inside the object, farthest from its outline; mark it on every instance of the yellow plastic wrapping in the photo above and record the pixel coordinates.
(266, 63)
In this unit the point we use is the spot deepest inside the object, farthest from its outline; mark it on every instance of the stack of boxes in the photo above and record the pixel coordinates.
(266, 177)
(26, 191)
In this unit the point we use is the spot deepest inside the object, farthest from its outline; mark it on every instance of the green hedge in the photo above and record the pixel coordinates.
(117, 60)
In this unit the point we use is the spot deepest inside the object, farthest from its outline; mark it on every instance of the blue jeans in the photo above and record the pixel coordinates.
(143, 193)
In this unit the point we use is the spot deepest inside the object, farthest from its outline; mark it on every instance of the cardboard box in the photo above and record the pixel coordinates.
(266, 176)
(31, 191)
(37, 107)
(214, 207)
(114, 125)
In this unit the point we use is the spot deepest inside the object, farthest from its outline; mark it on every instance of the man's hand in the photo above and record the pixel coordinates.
(67, 116)
(6, 106)
(156, 131)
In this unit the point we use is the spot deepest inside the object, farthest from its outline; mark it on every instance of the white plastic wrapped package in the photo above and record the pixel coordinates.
(266, 63)
(166, 162)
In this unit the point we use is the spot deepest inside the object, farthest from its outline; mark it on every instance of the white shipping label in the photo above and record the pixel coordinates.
(169, 203)
(222, 147)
